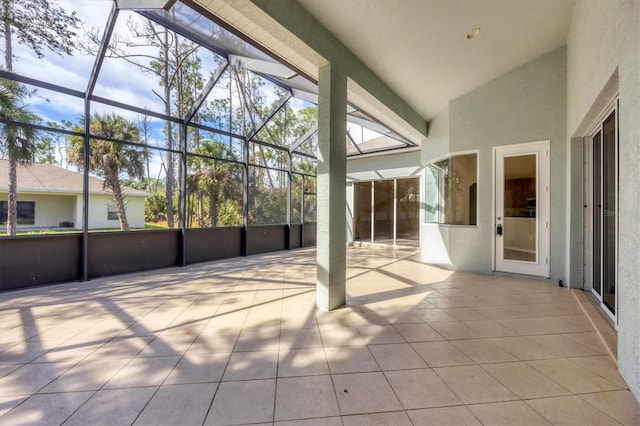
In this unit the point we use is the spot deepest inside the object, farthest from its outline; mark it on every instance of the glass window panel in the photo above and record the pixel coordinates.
(519, 225)
(212, 144)
(296, 198)
(289, 124)
(597, 213)
(118, 182)
(457, 190)
(362, 211)
(265, 156)
(303, 164)
(383, 211)
(161, 206)
(267, 196)
(47, 108)
(257, 96)
(60, 68)
(310, 208)
(609, 191)
(222, 108)
(214, 193)
(408, 211)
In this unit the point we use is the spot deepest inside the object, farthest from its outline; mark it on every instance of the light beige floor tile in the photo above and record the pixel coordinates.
(445, 416)
(168, 345)
(399, 356)
(489, 328)
(441, 354)
(8, 403)
(454, 330)
(524, 348)
(379, 334)
(30, 378)
(603, 365)
(112, 407)
(121, 347)
(178, 405)
(209, 344)
(252, 365)
(143, 372)
(620, 405)
(304, 338)
(199, 368)
(261, 340)
(305, 397)
(333, 335)
(525, 381)
(473, 385)
(418, 332)
(572, 376)
(363, 393)
(48, 409)
(302, 362)
(565, 346)
(569, 410)
(421, 389)
(394, 418)
(325, 421)
(507, 413)
(590, 339)
(86, 375)
(244, 402)
(464, 314)
(482, 351)
(350, 359)
(433, 315)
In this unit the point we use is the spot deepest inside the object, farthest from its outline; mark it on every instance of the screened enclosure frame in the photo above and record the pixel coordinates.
(294, 84)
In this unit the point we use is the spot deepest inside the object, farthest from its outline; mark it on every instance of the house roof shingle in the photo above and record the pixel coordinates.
(48, 178)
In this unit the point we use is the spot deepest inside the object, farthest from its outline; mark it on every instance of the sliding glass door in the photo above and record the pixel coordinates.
(387, 212)
(601, 197)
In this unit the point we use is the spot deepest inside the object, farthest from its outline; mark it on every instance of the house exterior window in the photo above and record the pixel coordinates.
(111, 212)
(26, 212)
(456, 178)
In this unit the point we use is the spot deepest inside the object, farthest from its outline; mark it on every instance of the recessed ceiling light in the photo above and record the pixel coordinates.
(473, 33)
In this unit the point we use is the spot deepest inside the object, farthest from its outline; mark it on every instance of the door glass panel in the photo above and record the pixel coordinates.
(383, 196)
(408, 212)
(609, 212)
(597, 212)
(519, 223)
(362, 211)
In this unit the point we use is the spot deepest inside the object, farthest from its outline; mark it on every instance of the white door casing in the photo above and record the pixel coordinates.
(521, 208)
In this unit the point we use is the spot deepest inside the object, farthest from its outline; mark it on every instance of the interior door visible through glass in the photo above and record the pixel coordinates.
(519, 224)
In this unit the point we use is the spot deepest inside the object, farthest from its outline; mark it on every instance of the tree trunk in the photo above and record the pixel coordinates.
(12, 199)
(118, 202)
(213, 208)
(12, 217)
(167, 129)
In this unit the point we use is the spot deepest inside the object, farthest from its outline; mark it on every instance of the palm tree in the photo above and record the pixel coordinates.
(17, 143)
(111, 160)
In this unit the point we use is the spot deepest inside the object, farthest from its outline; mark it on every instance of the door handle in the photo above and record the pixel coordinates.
(499, 229)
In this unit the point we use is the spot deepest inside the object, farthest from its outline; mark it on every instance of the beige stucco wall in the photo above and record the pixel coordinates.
(525, 105)
(604, 40)
(98, 212)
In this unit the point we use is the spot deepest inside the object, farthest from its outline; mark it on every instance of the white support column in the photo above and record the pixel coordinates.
(332, 181)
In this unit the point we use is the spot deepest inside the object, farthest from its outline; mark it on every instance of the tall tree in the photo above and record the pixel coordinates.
(111, 161)
(39, 25)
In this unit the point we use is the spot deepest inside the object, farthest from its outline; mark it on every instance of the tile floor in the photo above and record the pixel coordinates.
(239, 342)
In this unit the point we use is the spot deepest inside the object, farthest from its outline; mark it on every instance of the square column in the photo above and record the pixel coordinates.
(331, 188)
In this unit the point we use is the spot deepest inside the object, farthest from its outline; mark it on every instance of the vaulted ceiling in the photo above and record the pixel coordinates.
(419, 47)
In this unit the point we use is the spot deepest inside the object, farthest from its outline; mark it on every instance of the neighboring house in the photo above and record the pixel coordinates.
(51, 197)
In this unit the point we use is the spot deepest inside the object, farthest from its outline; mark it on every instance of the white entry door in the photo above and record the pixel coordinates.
(521, 225)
